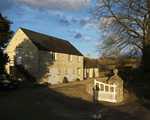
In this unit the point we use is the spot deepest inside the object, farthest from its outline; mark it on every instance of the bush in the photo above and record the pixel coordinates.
(3, 61)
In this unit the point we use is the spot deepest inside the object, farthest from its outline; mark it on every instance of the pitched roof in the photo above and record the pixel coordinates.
(49, 43)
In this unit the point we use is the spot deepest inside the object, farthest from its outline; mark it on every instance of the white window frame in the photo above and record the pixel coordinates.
(78, 71)
(78, 58)
(55, 56)
(87, 70)
(70, 57)
(91, 72)
(17, 57)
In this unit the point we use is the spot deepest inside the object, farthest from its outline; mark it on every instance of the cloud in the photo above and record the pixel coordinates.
(74, 20)
(65, 5)
(93, 26)
(97, 44)
(87, 38)
(64, 22)
(106, 21)
(55, 13)
(87, 20)
(100, 4)
(10, 8)
(83, 22)
(64, 17)
(91, 20)
(71, 31)
(5, 4)
(77, 36)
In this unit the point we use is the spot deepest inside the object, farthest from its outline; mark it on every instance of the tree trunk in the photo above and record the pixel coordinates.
(146, 58)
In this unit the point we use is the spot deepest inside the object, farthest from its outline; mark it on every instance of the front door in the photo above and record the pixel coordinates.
(70, 74)
(85, 73)
(54, 76)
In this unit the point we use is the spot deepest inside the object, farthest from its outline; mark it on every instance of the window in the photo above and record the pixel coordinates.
(91, 72)
(78, 58)
(53, 55)
(70, 57)
(78, 71)
(19, 55)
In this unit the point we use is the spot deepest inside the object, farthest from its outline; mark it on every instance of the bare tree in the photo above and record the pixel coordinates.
(124, 23)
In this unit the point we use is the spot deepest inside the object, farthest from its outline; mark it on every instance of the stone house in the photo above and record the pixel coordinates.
(44, 58)
(91, 67)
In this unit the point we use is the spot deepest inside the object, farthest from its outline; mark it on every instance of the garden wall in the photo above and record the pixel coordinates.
(115, 79)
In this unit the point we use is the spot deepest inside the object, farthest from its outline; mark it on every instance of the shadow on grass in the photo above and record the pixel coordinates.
(46, 103)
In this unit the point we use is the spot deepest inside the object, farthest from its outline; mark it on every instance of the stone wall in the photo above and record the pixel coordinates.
(29, 52)
(61, 62)
(115, 79)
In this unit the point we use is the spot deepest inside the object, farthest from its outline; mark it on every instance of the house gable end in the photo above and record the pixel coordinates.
(17, 41)
(14, 40)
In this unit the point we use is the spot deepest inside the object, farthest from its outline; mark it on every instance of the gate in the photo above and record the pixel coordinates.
(106, 92)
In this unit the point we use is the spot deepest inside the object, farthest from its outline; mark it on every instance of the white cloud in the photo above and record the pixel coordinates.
(97, 44)
(106, 21)
(91, 26)
(92, 20)
(66, 5)
(87, 38)
(100, 4)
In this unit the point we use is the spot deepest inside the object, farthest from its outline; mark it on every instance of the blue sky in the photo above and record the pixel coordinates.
(65, 19)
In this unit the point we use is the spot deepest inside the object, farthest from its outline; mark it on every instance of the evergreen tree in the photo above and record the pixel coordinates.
(5, 36)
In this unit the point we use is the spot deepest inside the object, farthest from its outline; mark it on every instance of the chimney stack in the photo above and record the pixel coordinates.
(88, 55)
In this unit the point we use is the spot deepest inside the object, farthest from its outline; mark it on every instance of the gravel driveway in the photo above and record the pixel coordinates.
(62, 102)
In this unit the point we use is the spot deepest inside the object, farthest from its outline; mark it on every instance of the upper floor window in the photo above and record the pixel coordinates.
(78, 58)
(54, 56)
(19, 54)
(70, 57)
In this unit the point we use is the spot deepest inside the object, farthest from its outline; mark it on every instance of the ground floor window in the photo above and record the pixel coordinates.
(78, 71)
